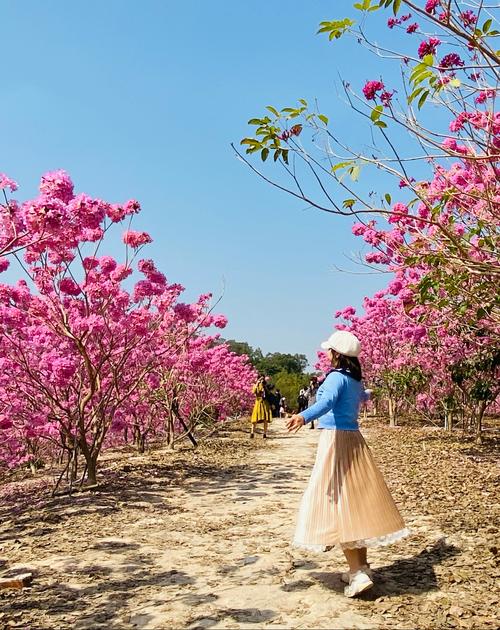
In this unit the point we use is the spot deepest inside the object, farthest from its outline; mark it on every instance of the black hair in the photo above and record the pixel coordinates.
(351, 365)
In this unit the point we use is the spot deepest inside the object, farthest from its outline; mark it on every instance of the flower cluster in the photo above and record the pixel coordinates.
(428, 47)
(371, 88)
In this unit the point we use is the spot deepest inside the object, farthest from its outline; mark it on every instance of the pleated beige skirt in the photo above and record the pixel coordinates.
(347, 501)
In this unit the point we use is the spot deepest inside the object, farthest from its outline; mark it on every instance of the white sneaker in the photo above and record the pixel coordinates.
(365, 568)
(358, 583)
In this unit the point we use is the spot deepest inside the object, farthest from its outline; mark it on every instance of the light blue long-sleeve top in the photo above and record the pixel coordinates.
(337, 402)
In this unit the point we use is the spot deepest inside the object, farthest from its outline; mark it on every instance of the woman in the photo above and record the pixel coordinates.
(347, 501)
(262, 409)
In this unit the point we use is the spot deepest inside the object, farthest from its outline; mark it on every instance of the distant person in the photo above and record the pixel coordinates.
(311, 395)
(283, 407)
(302, 400)
(346, 502)
(276, 400)
(262, 407)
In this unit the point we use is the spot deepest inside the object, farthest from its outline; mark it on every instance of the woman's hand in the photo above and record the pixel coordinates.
(295, 423)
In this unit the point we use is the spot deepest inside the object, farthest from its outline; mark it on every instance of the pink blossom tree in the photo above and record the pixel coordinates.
(445, 230)
(440, 236)
(80, 353)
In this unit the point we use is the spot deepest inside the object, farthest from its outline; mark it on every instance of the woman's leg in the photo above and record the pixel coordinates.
(252, 430)
(265, 429)
(356, 558)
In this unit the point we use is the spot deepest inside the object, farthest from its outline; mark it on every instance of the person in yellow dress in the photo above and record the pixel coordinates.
(262, 408)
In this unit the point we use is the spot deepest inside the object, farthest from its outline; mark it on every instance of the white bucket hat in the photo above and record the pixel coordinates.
(344, 343)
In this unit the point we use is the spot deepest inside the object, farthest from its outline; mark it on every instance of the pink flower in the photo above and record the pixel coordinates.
(107, 264)
(452, 60)
(376, 257)
(385, 98)
(449, 143)
(90, 262)
(485, 94)
(405, 18)
(429, 47)
(120, 273)
(219, 321)
(403, 183)
(430, 6)
(7, 182)
(4, 263)
(358, 229)
(57, 184)
(117, 212)
(136, 239)
(469, 18)
(392, 22)
(395, 287)
(411, 28)
(371, 88)
(69, 287)
(398, 210)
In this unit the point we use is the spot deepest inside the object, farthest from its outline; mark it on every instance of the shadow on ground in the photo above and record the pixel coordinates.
(414, 575)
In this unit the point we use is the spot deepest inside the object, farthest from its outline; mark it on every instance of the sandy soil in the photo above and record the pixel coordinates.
(209, 548)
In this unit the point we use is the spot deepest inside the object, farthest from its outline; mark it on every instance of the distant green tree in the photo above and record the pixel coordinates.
(287, 371)
(275, 362)
(290, 385)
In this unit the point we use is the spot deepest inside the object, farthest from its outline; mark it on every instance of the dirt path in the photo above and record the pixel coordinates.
(213, 551)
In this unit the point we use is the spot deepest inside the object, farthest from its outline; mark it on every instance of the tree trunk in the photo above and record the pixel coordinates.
(392, 412)
(140, 442)
(170, 430)
(448, 421)
(92, 470)
(479, 421)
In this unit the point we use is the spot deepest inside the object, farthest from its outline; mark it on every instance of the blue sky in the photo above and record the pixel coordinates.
(142, 100)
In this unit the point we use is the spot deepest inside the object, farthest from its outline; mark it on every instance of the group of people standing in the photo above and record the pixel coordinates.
(307, 396)
(269, 403)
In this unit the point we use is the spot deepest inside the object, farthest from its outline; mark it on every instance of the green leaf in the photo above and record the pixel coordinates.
(264, 153)
(428, 60)
(304, 102)
(323, 118)
(273, 111)
(421, 77)
(420, 67)
(388, 198)
(422, 99)
(395, 6)
(255, 121)
(284, 155)
(251, 141)
(414, 94)
(340, 165)
(348, 203)
(455, 83)
(336, 28)
(486, 25)
(376, 113)
(381, 124)
(276, 154)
